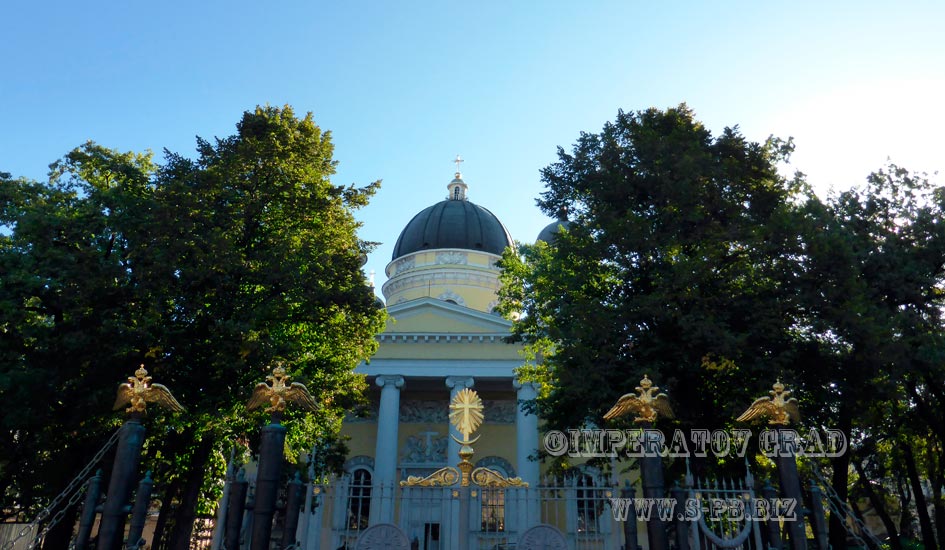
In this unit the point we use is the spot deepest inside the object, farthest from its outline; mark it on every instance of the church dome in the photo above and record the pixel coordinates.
(448, 252)
(453, 223)
(550, 233)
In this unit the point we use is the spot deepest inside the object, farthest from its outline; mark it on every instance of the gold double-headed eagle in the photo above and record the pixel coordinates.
(643, 404)
(277, 393)
(781, 410)
(138, 391)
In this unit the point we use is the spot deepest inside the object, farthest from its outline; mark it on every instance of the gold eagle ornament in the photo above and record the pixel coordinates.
(643, 404)
(138, 391)
(781, 409)
(280, 393)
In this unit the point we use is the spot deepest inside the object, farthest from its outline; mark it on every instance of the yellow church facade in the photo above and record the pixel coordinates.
(443, 336)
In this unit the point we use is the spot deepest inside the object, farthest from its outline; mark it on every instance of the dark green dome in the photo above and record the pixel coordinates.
(550, 233)
(453, 223)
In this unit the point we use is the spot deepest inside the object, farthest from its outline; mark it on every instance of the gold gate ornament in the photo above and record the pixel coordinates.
(138, 391)
(779, 407)
(279, 393)
(466, 416)
(643, 404)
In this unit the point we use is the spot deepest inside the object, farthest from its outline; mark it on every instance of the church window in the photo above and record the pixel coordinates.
(493, 510)
(456, 193)
(587, 504)
(359, 499)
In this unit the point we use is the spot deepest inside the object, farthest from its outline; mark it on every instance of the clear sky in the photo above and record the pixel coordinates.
(406, 85)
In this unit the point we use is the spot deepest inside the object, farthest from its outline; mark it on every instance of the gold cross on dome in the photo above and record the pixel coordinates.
(458, 161)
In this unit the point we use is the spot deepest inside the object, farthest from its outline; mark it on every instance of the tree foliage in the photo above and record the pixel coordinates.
(689, 257)
(670, 266)
(207, 270)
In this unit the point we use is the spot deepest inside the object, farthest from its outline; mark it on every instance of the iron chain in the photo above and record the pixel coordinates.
(69, 492)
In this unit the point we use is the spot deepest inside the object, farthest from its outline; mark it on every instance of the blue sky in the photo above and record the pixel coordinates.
(405, 86)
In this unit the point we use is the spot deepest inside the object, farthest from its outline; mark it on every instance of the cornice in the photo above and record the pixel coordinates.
(441, 338)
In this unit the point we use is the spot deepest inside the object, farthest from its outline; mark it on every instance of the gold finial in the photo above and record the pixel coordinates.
(644, 404)
(458, 160)
(781, 407)
(139, 391)
(279, 393)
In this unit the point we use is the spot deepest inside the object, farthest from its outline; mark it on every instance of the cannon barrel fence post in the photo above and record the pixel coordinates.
(293, 504)
(234, 512)
(271, 448)
(139, 514)
(87, 519)
(127, 455)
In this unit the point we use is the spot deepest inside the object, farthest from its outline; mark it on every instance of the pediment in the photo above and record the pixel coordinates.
(432, 316)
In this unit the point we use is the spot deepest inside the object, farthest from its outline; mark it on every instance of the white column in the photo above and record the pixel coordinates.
(314, 538)
(456, 385)
(301, 533)
(220, 524)
(526, 445)
(385, 454)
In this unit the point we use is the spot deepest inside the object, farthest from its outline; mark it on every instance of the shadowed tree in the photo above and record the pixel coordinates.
(688, 257)
(218, 267)
(873, 336)
(670, 266)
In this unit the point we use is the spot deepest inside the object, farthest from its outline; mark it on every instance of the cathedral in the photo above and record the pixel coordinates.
(443, 336)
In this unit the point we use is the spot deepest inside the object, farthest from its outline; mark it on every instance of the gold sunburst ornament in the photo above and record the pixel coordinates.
(781, 407)
(644, 404)
(138, 391)
(466, 414)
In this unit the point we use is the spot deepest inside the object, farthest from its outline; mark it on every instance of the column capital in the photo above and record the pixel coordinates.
(459, 382)
(394, 381)
(526, 390)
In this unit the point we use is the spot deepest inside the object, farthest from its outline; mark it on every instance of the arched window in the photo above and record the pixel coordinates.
(456, 193)
(359, 499)
(588, 502)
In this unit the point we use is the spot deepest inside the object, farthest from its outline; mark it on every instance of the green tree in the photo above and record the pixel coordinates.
(67, 333)
(246, 255)
(689, 258)
(871, 324)
(670, 267)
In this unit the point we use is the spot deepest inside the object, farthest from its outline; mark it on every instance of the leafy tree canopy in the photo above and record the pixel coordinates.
(670, 266)
(206, 270)
(689, 257)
